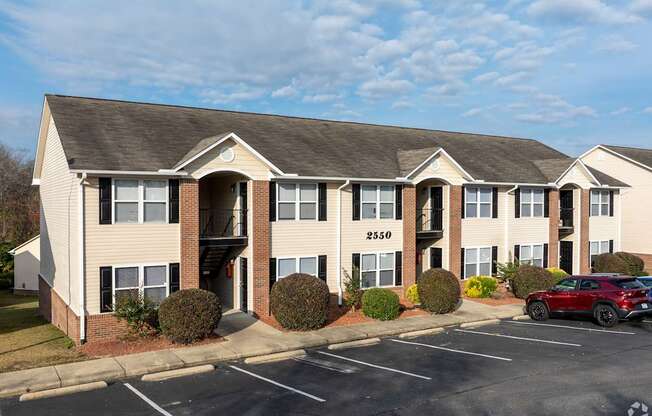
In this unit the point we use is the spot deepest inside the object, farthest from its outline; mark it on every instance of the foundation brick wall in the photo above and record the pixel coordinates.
(553, 234)
(105, 327)
(261, 247)
(455, 230)
(189, 225)
(585, 265)
(55, 310)
(409, 236)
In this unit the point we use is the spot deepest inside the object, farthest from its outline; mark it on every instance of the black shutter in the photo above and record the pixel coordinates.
(356, 201)
(398, 268)
(272, 272)
(462, 262)
(463, 201)
(399, 202)
(321, 268)
(106, 289)
(436, 258)
(173, 201)
(494, 260)
(272, 201)
(545, 256)
(611, 246)
(355, 266)
(517, 203)
(323, 206)
(517, 252)
(611, 203)
(546, 203)
(494, 203)
(105, 200)
(175, 282)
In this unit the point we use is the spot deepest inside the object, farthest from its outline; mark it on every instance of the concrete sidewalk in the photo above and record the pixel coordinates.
(245, 337)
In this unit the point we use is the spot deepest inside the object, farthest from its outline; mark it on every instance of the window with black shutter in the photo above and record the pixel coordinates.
(173, 197)
(355, 266)
(517, 252)
(398, 268)
(321, 267)
(494, 203)
(462, 260)
(463, 202)
(517, 203)
(399, 202)
(355, 188)
(546, 203)
(106, 289)
(105, 200)
(175, 281)
(611, 203)
(272, 201)
(494, 260)
(545, 256)
(611, 246)
(272, 272)
(323, 205)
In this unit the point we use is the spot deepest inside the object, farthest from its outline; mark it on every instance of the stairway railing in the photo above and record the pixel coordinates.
(222, 223)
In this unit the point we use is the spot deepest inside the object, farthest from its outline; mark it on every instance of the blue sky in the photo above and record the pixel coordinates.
(569, 73)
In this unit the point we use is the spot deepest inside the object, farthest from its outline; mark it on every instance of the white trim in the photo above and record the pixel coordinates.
(532, 203)
(13, 250)
(478, 203)
(586, 169)
(378, 202)
(44, 127)
(92, 172)
(296, 177)
(377, 269)
(225, 170)
(449, 157)
(478, 262)
(141, 278)
(36, 182)
(532, 258)
(615, 153)
(297, 264)
(297, 201)
(600, 204)
(82, 261)
(141, 201)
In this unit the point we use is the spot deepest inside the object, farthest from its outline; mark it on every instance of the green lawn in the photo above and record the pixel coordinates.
(26, 339)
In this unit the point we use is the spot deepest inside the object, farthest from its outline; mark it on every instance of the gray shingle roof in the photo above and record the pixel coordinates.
(554, 168)
(102, 134)
(605, 179)
(643, 156)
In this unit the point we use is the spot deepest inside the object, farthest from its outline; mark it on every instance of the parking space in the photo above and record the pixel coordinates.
(559, 366)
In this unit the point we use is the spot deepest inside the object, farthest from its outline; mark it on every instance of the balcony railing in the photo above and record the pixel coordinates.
(222, 223)
(430, 219)
(566, 217)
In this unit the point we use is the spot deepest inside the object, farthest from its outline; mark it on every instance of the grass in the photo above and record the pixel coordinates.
(26, 339)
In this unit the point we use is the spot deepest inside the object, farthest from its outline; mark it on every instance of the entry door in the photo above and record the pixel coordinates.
(436, 208)
(566, 256)
(243, 284)
(436, 258)
(243, 209)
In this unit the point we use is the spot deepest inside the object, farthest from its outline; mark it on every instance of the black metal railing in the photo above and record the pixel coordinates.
(566, 217)
(222, 223)
(430, 219)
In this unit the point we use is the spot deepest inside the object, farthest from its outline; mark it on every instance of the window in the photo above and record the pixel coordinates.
(293, 198)
(532, 202)
(597, 248)
(589, 285)
(532, 254)
(628, 284)
(565, 285)
(600, 203)
(148, 281)
(140, 201)
(288, 266)
(377, 270)
(478, 202)
(477, 262)
(377, 201)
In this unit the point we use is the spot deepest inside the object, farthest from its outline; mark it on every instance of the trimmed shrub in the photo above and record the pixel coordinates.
(140, 314)
(557, 273)
(300, 302)
(379, 303)
(439, 291)
(480, 286)
(530, 279)
(412, 294)
(635, 264)
(610, 263)
(189, 315)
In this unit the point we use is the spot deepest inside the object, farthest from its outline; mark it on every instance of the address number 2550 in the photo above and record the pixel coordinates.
(379, 235)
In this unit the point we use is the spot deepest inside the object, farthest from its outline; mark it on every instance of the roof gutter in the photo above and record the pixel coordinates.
(81, 245)
(336, 178)
(160, 172)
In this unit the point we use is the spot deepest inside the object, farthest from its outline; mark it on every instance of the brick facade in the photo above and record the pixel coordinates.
(55, 310)
(261, 247)
(189, 225)
(105, 327)
(455, 231)
(553, 233)
(409, 235)
(585, 262)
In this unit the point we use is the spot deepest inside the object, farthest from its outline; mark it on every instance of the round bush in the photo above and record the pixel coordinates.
(189, 315)
(530, 279)
(300, 302)
(635, 264)
(557, 273)
(412, 294)
(480, 286)
(439, 291)
(378, 303)
(610, 263)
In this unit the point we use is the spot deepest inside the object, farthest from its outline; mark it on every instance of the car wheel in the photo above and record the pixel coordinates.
(538, 311)
(605, 315)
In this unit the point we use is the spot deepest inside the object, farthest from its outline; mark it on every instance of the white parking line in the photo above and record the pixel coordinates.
(452, 350)
(572, 327)
(292, 389)
(375, 366)
(545, 341)
(147, 400)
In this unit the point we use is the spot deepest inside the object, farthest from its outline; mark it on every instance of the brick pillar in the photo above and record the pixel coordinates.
(409, 235)
(189, 224)
(261, 246)
(455, 230)
(553, 233)
(585, 262)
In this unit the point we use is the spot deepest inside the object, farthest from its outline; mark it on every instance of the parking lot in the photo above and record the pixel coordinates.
(516, 367)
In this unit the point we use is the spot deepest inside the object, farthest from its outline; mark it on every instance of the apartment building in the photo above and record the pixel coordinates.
(146, 198)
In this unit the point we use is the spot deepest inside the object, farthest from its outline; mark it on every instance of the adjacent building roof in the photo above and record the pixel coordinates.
(640, 155)
(553, 169)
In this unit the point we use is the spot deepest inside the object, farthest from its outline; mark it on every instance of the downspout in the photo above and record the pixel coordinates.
(82, 280)
(339, 242)
(507, 219)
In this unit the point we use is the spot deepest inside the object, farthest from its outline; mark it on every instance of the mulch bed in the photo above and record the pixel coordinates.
(502, 296)
(135, 344)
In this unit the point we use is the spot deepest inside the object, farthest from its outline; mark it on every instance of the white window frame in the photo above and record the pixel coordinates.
(531, 259)
(297, 201)
(377, 201)
(141, 278)
(377, 270)
(477, 202)
(600, 245)
(600, 204)
(140, 201)
(297, 265)
(532, 204)
(478, 262)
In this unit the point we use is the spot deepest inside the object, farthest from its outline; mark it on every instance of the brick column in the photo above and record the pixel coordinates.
(455, 230)
(189, 225)
(585, 262)
(409, 235)
(261, 246)
(553, 233)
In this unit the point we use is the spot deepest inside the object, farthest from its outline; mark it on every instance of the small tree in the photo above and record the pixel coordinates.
(352, 291)
(507, 271)
(140, 313)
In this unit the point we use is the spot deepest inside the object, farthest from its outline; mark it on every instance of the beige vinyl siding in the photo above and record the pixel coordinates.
(526, 230)
(488, 232)
(605, 227)
(59, 192)
(439, 168)
(122, 244)
(244, 162)
(577, 176)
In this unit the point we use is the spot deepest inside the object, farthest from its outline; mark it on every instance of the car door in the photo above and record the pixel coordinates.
(563, 296)
(589, 291)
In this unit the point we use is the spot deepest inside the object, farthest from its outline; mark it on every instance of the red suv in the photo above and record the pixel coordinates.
(607, 298)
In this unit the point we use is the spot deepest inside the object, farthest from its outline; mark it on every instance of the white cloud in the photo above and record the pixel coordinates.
(447, 89)
(321, 98)
(383, 88)
(220, 97)
(402, 104)
(17, 126)
(486, 77)
(285, 92)
(647, 110)
(593, 11)
(552, 109)
(621, 110)
(643, 7)
(510, 79)
(615, 43)
(473, 112)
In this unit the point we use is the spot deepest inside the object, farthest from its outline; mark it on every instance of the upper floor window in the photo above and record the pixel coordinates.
(478, 202)
(377, 201)
(296, 199)
(532, 202)
(138, 201)
(600, 203)
(532, 254)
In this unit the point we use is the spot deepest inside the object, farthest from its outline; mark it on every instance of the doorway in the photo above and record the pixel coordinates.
(566, 256)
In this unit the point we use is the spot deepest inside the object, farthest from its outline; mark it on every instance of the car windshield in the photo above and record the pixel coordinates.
(565, 285)
(628, 283)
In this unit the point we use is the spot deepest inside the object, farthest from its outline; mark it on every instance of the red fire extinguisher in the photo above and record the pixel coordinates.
(230, 267)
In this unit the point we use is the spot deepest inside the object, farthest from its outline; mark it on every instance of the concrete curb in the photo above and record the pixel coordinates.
(181, 372)
(477, 324)
(521, 318)
(270, 358)
(423, 332)
(354, 344)
(62, 391)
